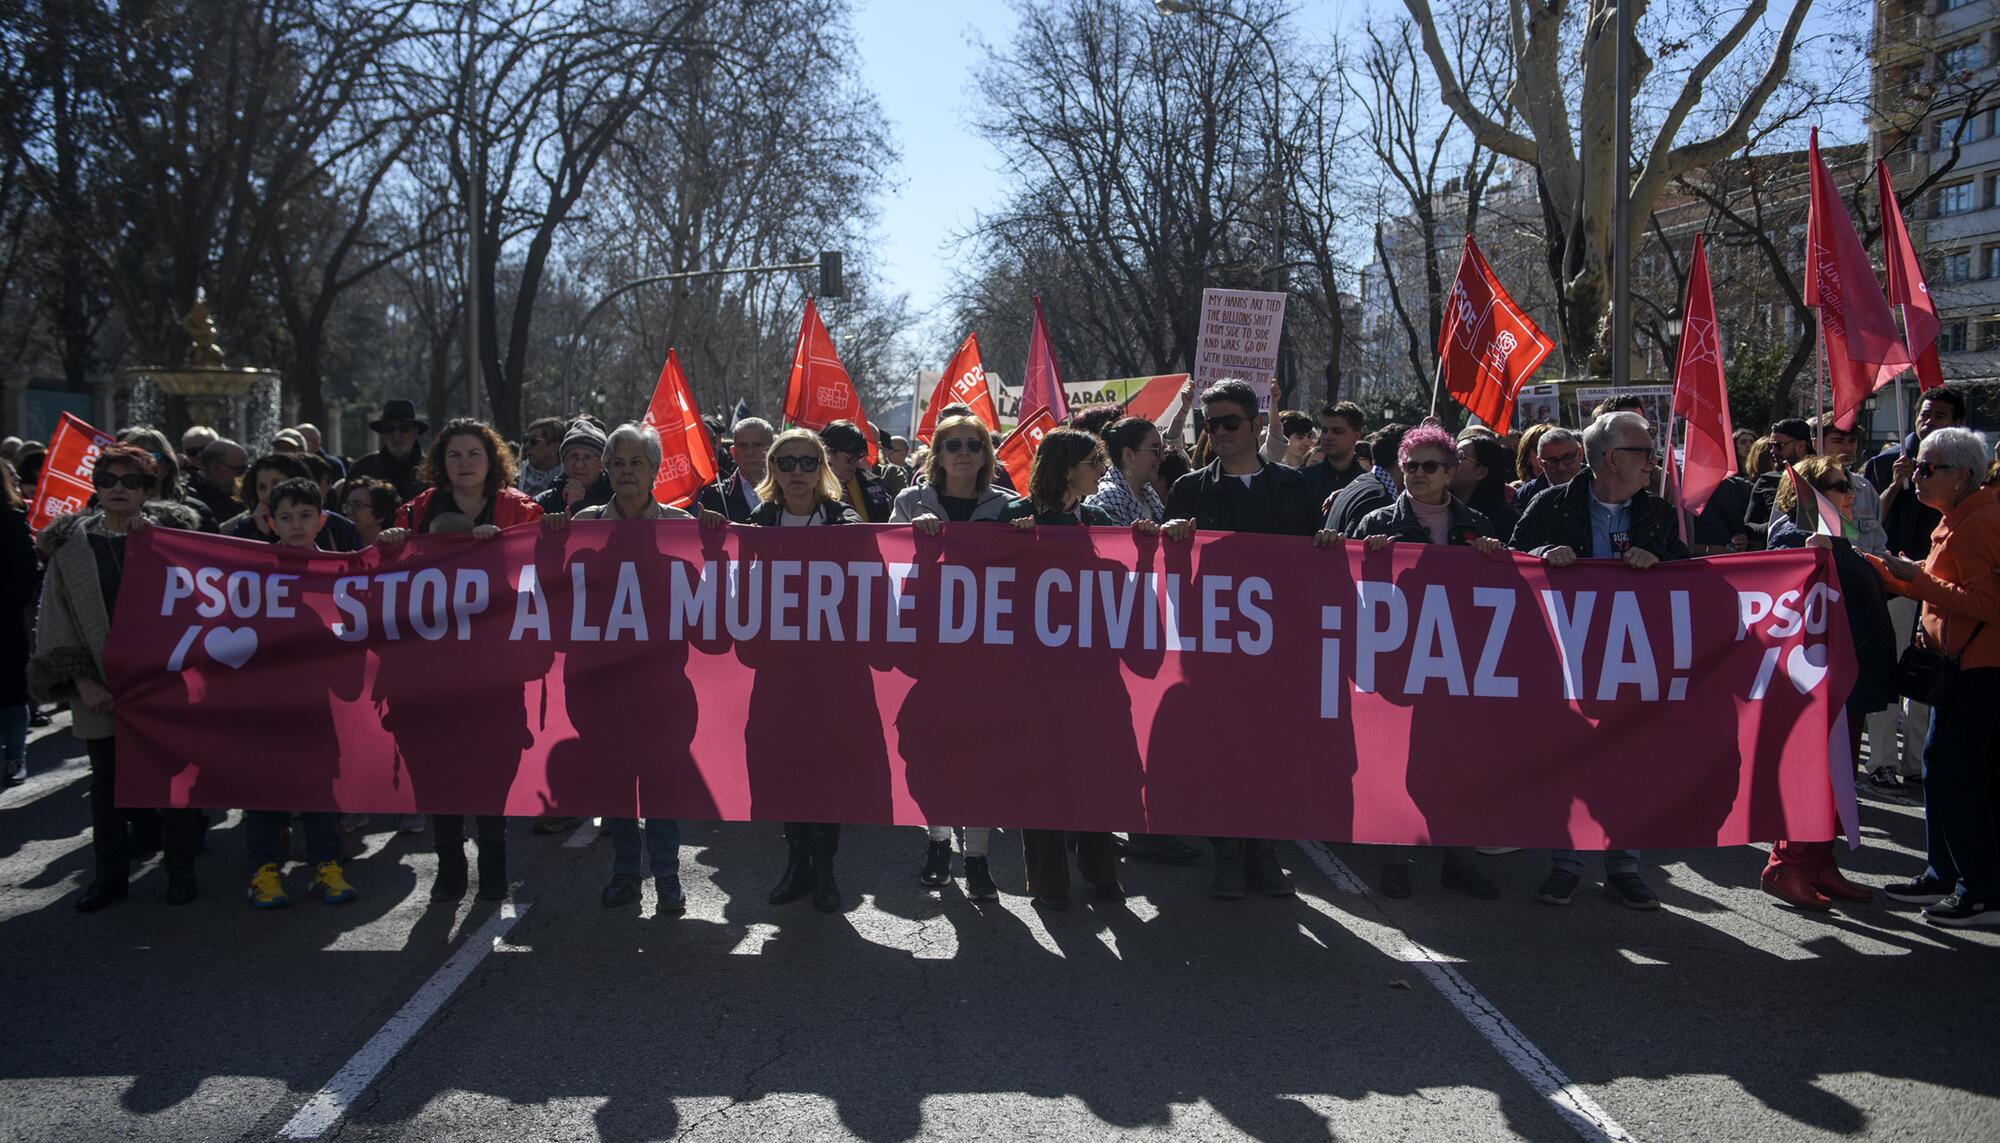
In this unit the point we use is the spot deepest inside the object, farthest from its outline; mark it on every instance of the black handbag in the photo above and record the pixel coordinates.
(1926, 674)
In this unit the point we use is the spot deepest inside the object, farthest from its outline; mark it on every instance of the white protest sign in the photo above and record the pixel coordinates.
(1239, 338)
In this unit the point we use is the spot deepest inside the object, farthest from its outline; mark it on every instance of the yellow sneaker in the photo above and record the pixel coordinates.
(267, 891)
(330, 884)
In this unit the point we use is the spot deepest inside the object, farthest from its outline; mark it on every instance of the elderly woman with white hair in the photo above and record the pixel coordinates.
(1960, 592)
(632, 463)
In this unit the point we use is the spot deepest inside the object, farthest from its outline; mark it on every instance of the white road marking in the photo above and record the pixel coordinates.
(1569, 1100)
(326, 1107)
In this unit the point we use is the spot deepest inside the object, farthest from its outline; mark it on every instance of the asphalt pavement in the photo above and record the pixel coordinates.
(918, 1014)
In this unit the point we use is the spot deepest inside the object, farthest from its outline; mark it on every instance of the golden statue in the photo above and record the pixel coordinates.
(202, 352)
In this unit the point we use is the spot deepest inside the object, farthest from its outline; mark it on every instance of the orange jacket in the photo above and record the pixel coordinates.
(1959, 585)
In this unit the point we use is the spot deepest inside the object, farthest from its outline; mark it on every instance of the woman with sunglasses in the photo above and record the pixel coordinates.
(1802, 873)
(800, 491)
(958, 486)
(1960, 593)
(86, 562)
(1426, 512)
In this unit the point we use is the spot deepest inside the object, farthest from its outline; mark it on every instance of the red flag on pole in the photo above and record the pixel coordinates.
(1041, 388)
(1487, 346)
(1701, 396)
(65, 485)
(687, 456)
(963, 383)
(1017, 453)
(819, 392)
(1863, 351)
(1907, 287)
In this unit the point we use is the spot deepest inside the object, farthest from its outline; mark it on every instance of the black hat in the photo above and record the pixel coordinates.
(1793, 427)
(399, 411)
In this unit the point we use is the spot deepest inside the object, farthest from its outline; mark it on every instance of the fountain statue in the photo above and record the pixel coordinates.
(216, 393)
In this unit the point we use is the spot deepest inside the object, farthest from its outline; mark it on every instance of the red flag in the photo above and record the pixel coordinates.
(1017, 453)
(963, 383)
(819, 392)
(687, 456)
(1863, 351)
(1701, 396)
(1041, 388)
(1487, 346)
(1907, 287)
(65, 485)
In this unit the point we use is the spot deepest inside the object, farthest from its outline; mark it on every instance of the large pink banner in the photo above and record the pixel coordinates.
(1067, 678)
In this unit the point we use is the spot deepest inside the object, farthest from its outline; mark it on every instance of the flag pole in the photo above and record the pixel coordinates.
(917, 390)
(1819, 386)
(1437, 385)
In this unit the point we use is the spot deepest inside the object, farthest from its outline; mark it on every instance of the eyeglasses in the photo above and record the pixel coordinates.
(753, 444)
(1226, 423)
(136, 481)
(1568, 460)
(400, 427)
(1427, 467)
(1843, 486)
(965, 444)
(796, 463)
(1932, 468)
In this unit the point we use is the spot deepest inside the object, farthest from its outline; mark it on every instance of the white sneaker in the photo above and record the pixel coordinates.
(17, 771)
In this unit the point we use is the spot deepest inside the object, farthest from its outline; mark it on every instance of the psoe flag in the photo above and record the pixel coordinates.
(1487, 346)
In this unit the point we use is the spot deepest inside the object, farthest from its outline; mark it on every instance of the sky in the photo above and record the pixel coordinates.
(920, 59)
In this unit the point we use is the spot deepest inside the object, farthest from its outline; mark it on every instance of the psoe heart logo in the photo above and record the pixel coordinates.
(231, 646)
(1795, 623)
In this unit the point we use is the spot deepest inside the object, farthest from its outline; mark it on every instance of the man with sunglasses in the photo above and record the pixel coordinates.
(1791, 442)
(1241, 492)
(541, 459)
(1605, 512)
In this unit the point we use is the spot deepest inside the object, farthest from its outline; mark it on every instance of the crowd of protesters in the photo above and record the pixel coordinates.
(1917, 551)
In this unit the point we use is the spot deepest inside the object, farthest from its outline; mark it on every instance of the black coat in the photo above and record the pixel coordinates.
(830, 512)
(1353, 504)
(552, 503)
(726, 497)
(1399, 521)
(1868, 623)
(20, 583)
(1909, 521)
(379, 465)
(1560, 517)
(1726, 515)
(1278, 501)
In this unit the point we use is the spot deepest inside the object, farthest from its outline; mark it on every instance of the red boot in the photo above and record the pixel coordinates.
(1790, 880)
(1828, 879)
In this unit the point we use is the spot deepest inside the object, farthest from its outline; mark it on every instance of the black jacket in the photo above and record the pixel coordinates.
(1868, 623)
(551, 499)
(20, 585)
(1560, 517)
(221, 503)
(1399, 521)
(379, 465)
(1277, 502)
(1763, 494)
(876, 499)
(726, 496)
(1022, 508)
(1353, 503)
(1726, 514)
(830, 512)
(1325, 480)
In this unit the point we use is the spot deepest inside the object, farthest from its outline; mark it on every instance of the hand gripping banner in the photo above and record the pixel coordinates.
(1238, 685)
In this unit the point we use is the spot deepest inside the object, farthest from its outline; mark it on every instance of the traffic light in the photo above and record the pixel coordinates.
(830, 284)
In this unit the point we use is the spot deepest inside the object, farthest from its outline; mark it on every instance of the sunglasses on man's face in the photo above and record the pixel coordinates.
(1427, 467)
(1226, 423)
(965, 444)
(796, 463)
(136, 481)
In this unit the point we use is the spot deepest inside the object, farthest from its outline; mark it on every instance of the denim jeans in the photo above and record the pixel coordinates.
(261, 828)
(1615, 860)
(14, 732)
(1961, 833)
(663, 845)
